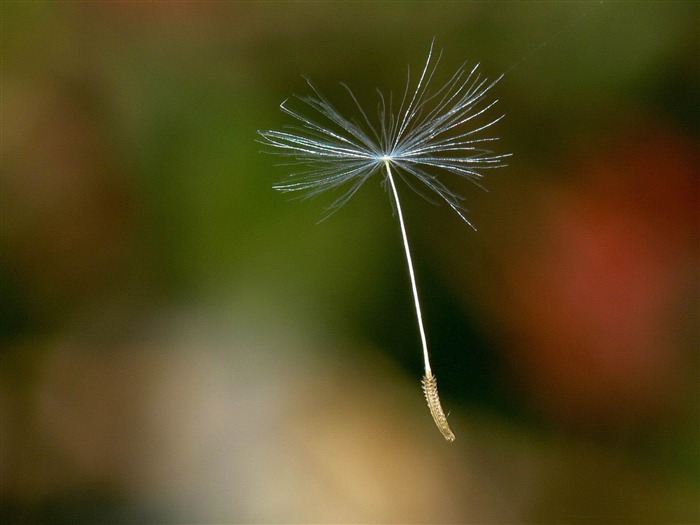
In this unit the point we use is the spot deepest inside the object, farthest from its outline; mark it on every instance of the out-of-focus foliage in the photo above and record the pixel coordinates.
(182, 343)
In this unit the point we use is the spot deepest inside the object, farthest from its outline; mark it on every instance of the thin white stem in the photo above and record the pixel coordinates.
(429, 382)
(411, 273)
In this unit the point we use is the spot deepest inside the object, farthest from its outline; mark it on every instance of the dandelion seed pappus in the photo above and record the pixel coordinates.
(425, 135)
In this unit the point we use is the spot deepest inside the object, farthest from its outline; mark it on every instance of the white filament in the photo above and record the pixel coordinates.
(409, 261)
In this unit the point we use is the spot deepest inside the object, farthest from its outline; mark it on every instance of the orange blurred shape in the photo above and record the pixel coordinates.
(601, 309)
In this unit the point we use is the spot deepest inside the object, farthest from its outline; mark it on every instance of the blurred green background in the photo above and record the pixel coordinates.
(182, 343)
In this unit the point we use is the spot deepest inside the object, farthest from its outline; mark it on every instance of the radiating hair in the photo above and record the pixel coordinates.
(422, 135)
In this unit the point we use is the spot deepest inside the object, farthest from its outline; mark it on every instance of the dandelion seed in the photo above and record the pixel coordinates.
(424, 135)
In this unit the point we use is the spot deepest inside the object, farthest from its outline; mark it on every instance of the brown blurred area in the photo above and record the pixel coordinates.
(180, 344)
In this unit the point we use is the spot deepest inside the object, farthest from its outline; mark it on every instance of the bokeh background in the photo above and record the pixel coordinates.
(182, 343)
